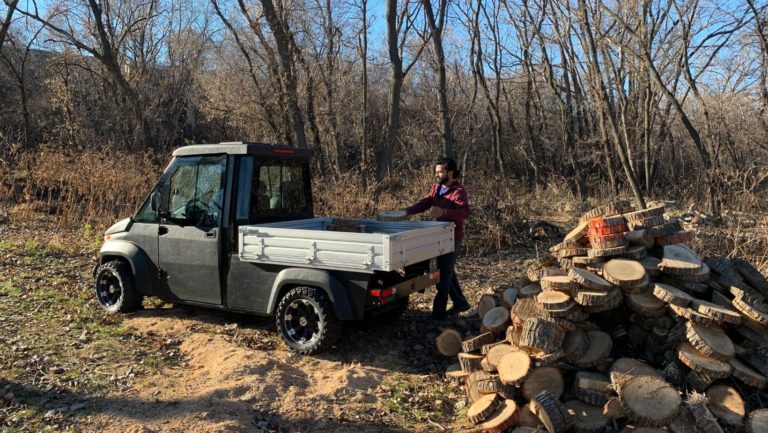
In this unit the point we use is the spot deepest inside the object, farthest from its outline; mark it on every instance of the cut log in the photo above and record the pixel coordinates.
(480, 410)
(470, 362)
(751, 275)
(747, 375)
(651, 265)
(455, 374)
(470, 385)
(514, 367)
(639, 238)
(757, 421)
(528, 419)
(509, 297)
(550, 412)
(579, 233)
(504, 418)
(612, 409)
(541, 335)
(644, 213)
(614, 240)
(486, 303)
(679, 260)
(560, 313)
(646, 304)
(750, 311)
(600, 346)
(554, 300)
(645, 223)
(588, 280)
(717, 312)
(559, 283)
(496, 320)
(591, 298)
(488, 385)
(705, 420)
(575, 345)
(615, 298)
(698, 381)
(710, 341)
(727, 405)
(624, 369)
(607, 252)
(624, 273)
(723, 267)
(496, 353)
(701, 363)
(571, 252)
(586, 260)
(523, 310)
(592, 388)
(529, 291)
(613, 208)
(540, 379)
(476, 343)
(693, 316)
(684, 423)
(700, 276)
(672, 295)
(635, 252)
(748, 295)
(449, 342)
(586, 418)
(649, 401)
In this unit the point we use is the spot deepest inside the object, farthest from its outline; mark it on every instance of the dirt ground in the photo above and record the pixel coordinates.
(66, 366)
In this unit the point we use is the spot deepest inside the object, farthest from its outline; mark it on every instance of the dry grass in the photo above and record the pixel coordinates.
(89, 190)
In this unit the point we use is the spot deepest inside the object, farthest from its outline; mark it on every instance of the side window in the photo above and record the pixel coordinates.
(278, 190)
(197, 192)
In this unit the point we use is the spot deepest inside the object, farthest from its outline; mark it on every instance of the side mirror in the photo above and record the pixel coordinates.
(156, 202)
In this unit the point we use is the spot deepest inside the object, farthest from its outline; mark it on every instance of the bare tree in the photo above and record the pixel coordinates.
(436, 27)
(6, 23)
(399, 24)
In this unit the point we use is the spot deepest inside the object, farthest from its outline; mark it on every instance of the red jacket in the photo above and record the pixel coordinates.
(454, 201)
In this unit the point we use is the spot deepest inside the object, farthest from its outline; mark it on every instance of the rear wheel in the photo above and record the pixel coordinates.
(114, 288)
(306, 320)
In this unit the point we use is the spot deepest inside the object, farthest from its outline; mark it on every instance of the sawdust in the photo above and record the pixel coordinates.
(225, 387)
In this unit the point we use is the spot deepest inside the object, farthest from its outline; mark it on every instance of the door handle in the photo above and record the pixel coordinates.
(211, 234)
(162, 230)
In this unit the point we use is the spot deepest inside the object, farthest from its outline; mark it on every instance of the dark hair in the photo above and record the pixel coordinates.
(450, 165)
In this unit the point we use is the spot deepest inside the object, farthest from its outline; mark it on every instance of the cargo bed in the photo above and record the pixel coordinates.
(346, 245)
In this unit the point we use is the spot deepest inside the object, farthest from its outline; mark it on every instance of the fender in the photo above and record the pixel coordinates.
(335, 290)
(137, 258)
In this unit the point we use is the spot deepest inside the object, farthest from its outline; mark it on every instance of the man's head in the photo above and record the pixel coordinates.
(446, 171)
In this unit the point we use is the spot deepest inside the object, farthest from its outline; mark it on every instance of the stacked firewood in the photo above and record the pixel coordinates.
(622, 327)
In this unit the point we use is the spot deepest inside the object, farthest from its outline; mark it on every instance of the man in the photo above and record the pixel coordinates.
(447, 201)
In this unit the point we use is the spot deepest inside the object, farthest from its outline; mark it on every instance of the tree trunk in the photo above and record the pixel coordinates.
(288, 72)
(436, 29)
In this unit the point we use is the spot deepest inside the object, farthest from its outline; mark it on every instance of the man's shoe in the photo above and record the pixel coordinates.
(455, 311)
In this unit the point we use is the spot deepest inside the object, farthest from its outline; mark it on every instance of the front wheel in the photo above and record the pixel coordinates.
(114, 288)
(306, 320)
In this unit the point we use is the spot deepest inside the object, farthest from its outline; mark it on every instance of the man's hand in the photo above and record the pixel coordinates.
(437, 212)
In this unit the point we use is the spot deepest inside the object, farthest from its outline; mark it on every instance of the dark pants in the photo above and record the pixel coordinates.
(448, 286)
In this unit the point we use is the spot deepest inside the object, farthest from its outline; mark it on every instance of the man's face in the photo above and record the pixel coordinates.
(442, 174)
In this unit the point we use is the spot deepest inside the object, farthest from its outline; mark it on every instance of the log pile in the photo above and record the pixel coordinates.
(622, 327)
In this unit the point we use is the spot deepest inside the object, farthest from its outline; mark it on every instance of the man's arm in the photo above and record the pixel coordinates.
(462, 211)
(421, 205)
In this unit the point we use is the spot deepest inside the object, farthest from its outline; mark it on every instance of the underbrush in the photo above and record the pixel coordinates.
(86, 191)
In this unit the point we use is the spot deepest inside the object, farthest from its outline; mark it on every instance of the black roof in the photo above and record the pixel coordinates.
(244, 148)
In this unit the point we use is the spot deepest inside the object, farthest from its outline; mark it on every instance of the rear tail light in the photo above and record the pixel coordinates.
(384, 296)
(435, 276)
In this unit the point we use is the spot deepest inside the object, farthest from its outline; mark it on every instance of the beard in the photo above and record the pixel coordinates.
(442, 180)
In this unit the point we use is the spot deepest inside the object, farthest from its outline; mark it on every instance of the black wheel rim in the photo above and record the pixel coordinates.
(108, 289)
(302, 322)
